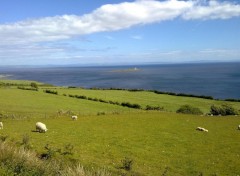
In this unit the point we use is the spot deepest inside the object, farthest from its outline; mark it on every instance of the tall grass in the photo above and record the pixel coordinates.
(19, 161)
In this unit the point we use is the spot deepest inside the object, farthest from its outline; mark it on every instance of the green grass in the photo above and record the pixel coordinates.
(144, 98)
(18, 82)
(38, 103)
(156, 142)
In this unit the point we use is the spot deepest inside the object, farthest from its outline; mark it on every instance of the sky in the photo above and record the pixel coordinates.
(113, 32)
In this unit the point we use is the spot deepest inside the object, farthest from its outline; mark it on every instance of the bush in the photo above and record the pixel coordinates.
(127, 104)
(155, 108)
(34, 85)
(224, 110)
(187, 109)
(27, 88)
(51, 92)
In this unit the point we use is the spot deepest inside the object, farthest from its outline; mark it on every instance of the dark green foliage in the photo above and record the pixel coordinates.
(27, 88)
(101, 113)
(127, 104)
(103, 101)
(232, 100)
(80, 96)
(156, 108)
(223, 110)
(50, 152)
(51, 92)
(188, 109)
(95, 99)
(214, 110)
(182, 94)
(34, 85)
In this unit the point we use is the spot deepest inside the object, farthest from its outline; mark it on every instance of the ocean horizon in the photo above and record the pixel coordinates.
(219, 80)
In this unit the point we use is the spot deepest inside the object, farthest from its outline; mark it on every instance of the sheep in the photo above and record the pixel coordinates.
(239, 127)
(74, 117)
(41, 127)
(1, 125)
(201, 129)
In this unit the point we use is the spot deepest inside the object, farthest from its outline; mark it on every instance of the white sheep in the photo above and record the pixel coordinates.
(1, 125)
(239, 127)
(74, 117)
(201, 129)
(41, 127)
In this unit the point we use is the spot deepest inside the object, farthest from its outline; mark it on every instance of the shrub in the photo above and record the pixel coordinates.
(34, 85)
(156, 108)
(50, 152)
(224, 110)
(51, 91)
(187, 109)
(214, 110)
(127, 104)
(26, 88)
(101, 113)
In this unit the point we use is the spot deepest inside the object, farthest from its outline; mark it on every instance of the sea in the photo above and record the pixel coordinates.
(219, 80)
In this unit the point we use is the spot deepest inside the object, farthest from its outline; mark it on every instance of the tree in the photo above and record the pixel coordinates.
(34, 85)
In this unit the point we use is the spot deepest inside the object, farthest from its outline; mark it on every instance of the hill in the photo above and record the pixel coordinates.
(116, 139)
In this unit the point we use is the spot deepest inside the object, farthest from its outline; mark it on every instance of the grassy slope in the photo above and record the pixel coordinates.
(38, 103)
(170, 103)
(157, 142)
(19, 82)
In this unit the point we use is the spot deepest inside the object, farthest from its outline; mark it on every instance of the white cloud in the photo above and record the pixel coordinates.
(112, 17)
(212, 10)
(108, 17)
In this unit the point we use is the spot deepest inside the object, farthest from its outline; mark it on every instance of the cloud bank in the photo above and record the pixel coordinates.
(112, 17)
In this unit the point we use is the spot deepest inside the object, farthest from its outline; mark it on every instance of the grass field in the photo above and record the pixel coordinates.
(144, 98)
(38, 103)
(158, 143)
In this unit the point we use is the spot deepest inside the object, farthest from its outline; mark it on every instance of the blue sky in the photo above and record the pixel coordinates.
(118, 32)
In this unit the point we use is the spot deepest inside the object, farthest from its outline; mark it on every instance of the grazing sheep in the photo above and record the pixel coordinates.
(1, 125)
(201, 129)
(74, 117)
(239, 127)
(41, 127)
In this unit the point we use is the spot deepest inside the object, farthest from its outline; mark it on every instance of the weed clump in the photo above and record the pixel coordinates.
(126, 164)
